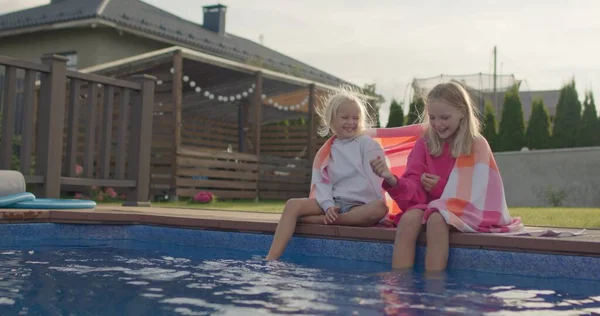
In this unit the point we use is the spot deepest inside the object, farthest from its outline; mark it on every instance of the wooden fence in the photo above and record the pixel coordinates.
(112, 144)
(208, 161)
(240, 176)
(286, 141)
(200, 132)
(276, 140)
(281, 178)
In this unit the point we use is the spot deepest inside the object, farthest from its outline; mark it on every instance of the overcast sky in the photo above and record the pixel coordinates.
(390, 42)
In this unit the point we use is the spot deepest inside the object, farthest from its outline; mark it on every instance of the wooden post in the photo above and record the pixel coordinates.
(257, 120)
(246, 115)
(121, 153)
(106, 137)
(51, 116)
(241, 124)
(177, 88)
(98, 127)
(28, 122)
(140, 142)
(8, 117)
(257, 101)
(90, 132)
(72, 129)
(311, 124)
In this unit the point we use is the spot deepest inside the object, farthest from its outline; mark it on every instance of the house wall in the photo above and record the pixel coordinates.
(92, 45)
(528, 176)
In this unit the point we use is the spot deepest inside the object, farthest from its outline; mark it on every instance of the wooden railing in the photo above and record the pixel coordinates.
(45, 119)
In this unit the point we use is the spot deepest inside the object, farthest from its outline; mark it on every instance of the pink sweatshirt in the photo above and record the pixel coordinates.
(409, 193)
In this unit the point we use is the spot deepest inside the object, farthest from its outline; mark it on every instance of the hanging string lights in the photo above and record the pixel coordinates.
(237, 96)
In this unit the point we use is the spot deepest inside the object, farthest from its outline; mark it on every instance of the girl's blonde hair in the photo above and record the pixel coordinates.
(469, 127)
(329, 107)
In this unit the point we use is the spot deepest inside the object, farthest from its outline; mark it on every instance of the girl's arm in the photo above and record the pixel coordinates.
(324, 194)
(409, 190)
(372, 150)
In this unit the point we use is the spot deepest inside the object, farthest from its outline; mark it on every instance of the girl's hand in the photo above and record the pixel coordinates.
(381, 169)
(331, 215)
(429, 181)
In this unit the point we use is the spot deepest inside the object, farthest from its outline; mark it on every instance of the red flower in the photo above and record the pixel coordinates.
(78, 170)
(203, 197)
(111, 192)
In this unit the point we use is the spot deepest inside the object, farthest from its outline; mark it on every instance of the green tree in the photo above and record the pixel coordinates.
(415, 110)
(396, 117)
(538, 129)
(597, 124)
(567, 118)
(511, 134)
(588, 133)
(490, 126)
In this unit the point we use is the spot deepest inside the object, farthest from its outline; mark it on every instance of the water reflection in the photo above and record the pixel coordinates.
(463, 292)
(222, 281)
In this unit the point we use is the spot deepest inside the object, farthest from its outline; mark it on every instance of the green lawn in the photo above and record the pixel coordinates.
(552, 217)
(247, 206)
(559, 217)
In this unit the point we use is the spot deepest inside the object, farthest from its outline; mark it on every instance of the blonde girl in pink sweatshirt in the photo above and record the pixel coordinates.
(451, 127)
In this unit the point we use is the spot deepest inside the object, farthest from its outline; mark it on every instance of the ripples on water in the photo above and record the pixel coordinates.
(111, 281)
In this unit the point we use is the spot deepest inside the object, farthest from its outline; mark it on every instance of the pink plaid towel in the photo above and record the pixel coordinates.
(473, 199)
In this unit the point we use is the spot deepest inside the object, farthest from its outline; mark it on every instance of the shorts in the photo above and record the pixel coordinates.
(345, 206)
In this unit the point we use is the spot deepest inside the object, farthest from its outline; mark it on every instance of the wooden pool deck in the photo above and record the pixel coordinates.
(587, 244)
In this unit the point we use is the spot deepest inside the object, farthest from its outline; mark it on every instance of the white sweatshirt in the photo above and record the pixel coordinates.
(349, 170)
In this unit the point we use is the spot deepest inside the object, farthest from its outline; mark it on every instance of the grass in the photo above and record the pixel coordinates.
(559, 217)
(550, 217)
(244, 206)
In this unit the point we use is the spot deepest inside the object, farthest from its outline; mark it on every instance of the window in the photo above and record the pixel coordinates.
(72, 59)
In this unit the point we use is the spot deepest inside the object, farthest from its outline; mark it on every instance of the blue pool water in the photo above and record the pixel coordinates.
(48, 269)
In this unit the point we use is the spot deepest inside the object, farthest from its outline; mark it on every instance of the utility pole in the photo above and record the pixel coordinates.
(495, 91)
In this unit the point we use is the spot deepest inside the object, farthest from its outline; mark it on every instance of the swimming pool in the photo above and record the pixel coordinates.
(138, 269)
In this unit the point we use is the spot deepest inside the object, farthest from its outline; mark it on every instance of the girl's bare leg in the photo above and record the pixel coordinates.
(363, 215)
(438, 243)
(405, 243)
(293, 209)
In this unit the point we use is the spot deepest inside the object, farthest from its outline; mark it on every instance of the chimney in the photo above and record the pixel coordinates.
(214, 18)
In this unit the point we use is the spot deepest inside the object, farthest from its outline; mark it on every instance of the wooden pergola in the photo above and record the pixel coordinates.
(225, 77)
(194, 86)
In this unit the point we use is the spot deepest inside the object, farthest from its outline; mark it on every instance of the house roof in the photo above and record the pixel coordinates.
(145, 19)
(113, 67)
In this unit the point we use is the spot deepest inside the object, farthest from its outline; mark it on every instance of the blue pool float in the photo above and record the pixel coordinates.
(27, 200)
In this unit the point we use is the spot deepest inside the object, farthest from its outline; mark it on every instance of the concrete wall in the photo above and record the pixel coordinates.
(529, 176)
(93, 45)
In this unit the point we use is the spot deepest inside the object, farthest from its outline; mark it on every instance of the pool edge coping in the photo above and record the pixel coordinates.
(216, 221)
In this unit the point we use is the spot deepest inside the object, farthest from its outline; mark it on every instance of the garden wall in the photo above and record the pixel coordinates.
(570, 177)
